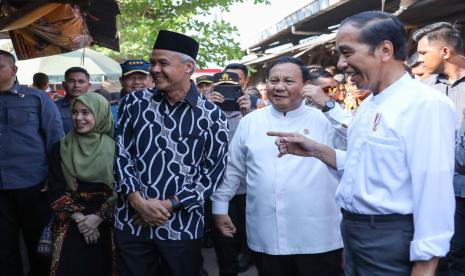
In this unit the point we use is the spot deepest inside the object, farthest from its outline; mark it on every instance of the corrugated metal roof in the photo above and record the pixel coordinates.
(315, 18)
(300, 49)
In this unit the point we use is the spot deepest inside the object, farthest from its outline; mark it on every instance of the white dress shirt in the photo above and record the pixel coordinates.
(400, 160)
(340, 119)
(290, 200)
(234, 117)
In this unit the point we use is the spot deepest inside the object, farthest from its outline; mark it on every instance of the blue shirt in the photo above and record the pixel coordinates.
(65, 112)
(114, 112)
(164, 150)
(29, 126)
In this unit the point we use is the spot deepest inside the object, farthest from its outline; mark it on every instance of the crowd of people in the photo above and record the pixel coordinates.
(354, 169)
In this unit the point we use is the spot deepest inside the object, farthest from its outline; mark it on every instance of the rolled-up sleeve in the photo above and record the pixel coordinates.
(193, 195)
(340, 119)
(127, 180)
(340, 159)
(430, 159)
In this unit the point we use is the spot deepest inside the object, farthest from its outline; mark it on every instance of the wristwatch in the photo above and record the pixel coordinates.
(176, 203)
(329, 104)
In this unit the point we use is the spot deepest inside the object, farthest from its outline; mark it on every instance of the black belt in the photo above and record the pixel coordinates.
(376, 218)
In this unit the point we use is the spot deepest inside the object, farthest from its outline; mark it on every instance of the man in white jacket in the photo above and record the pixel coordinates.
(292, 219)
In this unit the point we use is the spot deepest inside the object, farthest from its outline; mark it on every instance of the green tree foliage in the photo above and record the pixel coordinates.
(140, 21)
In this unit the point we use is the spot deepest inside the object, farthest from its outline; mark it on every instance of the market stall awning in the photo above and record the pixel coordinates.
(44, 27)
(99, 66)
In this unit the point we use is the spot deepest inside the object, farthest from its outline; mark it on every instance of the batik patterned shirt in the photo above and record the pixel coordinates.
(165, 150)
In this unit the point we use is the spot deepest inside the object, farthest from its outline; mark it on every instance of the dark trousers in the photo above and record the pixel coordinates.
(377, 245)
(208, 218)
(456, 256)
(323, 264)
(228, 249)
(138, 256)
(23, 210)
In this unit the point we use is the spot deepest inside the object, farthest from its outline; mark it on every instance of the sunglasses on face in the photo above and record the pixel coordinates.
(330, 90)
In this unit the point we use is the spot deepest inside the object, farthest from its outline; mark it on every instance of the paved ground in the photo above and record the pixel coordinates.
(212, 268)
(208, 254)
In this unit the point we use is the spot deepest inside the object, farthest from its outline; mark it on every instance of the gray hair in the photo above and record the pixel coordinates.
(185, 59)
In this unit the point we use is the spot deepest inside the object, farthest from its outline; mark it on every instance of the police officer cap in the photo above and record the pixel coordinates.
(204, 79)
(135, 66)
(226, 78)
(176, 42)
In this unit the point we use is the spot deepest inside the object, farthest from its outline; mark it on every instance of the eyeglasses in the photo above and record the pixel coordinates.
(330, 90)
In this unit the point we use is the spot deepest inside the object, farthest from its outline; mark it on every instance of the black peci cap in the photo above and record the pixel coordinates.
(176, 42)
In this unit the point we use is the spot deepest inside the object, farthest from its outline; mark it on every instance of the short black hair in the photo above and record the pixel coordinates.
(313, 67)
(314, 75)
(288, 59)
(253, 91)
(238, 66)
(103, 92)
(445, 31)
(376, 27)
(413, 61)
(76, 70)
(39, 80)
(8, 55)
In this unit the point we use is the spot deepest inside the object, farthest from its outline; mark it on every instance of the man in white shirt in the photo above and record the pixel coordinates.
(441, 55)
(396, 190)
(292, 220)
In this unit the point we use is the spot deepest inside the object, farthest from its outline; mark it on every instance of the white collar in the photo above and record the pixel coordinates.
(296, 113)
(391, 89)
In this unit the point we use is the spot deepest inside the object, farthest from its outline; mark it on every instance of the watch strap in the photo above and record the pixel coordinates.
(326, 108)
(176, 203)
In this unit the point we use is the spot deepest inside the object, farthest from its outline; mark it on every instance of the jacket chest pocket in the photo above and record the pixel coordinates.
(22, 115)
